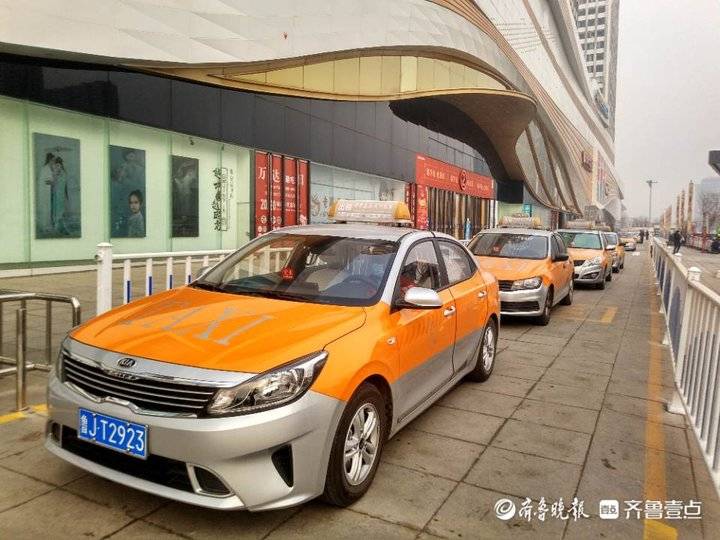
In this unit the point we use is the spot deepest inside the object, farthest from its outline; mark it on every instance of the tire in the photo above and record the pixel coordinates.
(339, 489)
(568, 298)
(616, 270)
(483, 369)
(544, 319)
(622, 264)
(609, 276)
(601, 285)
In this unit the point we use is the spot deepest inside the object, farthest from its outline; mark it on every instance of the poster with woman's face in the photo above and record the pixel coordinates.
(185, 172)
(57, 186)
(127, 192)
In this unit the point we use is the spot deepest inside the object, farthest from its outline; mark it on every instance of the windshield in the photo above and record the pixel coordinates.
(611, 239)
(582, 240)
(307, 268)
(511, 246)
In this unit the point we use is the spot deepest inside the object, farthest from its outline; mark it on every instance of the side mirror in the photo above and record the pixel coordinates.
(561, 257)
(419, 297)
(610, 247)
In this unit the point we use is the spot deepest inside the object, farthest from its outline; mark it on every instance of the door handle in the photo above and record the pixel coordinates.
(482, 294)
(449, 311)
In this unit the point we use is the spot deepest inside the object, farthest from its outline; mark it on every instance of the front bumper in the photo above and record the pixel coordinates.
(589, 274)
(238, 450)
(527, 303)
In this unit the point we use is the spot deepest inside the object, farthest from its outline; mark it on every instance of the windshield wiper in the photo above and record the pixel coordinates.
(206, 285)
(267, 294)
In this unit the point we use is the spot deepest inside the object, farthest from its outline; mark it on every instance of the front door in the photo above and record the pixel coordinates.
(561, 270)
(468, 288)
(425, 337)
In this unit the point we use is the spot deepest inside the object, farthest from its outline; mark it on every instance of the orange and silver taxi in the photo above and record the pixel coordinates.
(532, 266)
(618, 250)
(279, 374)
(591, 254)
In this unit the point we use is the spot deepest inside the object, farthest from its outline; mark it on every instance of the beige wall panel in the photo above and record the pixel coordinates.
(288, 77)
(457, 75)
(319, 77)
(370, 75)
(347, 76)
(408, 73)
(442, 74)
(426, 74)
(390, 78)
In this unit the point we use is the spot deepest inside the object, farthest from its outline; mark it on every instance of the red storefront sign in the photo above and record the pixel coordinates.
(290, 192)
(262, 191)
(416, 198)
(303, 193)
(276, 195)
(281, 192)
(438, 174)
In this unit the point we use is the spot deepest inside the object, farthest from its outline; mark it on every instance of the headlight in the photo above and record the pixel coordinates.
(271, 389)
(531, 283)
(595, 261)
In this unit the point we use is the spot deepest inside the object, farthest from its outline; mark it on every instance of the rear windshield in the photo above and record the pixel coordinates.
(611, 238)
(581, 240)
(510, 246)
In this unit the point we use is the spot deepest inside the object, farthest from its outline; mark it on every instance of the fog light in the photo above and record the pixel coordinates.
(593, 275)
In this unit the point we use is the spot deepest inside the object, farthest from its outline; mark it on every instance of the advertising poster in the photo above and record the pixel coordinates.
(262, 192)
(302, 186)
(438, 174)
(127, 192)
(290, 193)
(276, 193)
(185, 205)
(57, 186)
(421, 207)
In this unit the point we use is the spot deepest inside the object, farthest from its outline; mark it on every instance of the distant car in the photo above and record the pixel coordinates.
(618, 254)
(629, 239)
(591, 257)
(532, 266)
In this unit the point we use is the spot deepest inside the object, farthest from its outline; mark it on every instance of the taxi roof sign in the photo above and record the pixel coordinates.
(521, 221)
(385, 212)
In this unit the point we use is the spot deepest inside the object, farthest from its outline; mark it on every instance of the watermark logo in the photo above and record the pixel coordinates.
(505, 509)
(609, 509)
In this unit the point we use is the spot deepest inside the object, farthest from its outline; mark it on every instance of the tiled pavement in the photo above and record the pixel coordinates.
(708, 263)
(565, 414)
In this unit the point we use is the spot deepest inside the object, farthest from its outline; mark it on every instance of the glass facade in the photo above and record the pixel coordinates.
(95, 153)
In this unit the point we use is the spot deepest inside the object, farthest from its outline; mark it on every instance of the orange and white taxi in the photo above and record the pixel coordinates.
(591, 254)
(279, 374)
(618, 252)
(532, 266)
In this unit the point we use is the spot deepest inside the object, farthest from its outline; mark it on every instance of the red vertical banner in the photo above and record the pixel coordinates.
(276, 193)
(262, 214)
(290, 193)
(421, 207)
(302, 190)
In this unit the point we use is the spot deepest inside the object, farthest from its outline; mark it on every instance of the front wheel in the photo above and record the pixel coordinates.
(568, 299)
(357, 446)
(486, 356)
(609, 276)
(544, 319)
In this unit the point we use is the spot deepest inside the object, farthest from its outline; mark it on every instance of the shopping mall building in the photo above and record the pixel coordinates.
(170, 126)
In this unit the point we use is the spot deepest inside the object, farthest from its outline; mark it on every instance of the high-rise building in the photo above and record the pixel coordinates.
(597, 25)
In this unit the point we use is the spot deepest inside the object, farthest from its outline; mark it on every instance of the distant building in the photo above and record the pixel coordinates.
(597, 26)
(707, 195)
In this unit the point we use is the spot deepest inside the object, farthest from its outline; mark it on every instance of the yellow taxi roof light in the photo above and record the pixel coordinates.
(523, 221)
(386, 212)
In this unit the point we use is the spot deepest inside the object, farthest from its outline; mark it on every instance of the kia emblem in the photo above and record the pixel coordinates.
(126, 363)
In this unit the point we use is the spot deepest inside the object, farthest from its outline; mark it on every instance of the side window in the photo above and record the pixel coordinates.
(560, 248)
(457, 263)
(420, 269)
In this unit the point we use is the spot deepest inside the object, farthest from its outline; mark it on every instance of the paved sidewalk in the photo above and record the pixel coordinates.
(573, 409)
(708, 263)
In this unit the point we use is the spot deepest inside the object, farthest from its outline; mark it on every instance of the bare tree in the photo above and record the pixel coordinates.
(710, 208)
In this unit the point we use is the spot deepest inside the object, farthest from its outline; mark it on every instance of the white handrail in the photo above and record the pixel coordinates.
(692, 315)
(105, 259)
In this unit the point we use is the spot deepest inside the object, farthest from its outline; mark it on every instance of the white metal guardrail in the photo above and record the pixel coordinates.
(692, 314)
(267, 260)
(106, 259)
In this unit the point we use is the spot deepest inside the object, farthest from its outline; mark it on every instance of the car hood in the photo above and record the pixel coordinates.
(512, 269)
(216, 330)
(582, 254)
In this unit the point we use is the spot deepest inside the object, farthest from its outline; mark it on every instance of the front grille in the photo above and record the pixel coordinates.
(148, 394)
(578, 262)
(157, 469)
(505, 285)
(519, 307)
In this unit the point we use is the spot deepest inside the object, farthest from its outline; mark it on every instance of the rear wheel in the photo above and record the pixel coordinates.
(357, 446)
(544, 319)
(568, 298)
(486, 356)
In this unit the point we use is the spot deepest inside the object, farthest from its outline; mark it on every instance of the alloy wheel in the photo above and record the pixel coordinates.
(361, 444)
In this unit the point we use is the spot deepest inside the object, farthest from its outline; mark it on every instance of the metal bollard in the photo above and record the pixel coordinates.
(20, 349)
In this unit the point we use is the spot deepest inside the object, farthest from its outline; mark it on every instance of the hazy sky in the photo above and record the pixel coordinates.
(668, 97)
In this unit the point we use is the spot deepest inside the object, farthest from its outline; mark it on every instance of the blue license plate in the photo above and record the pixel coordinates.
(120, 435)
